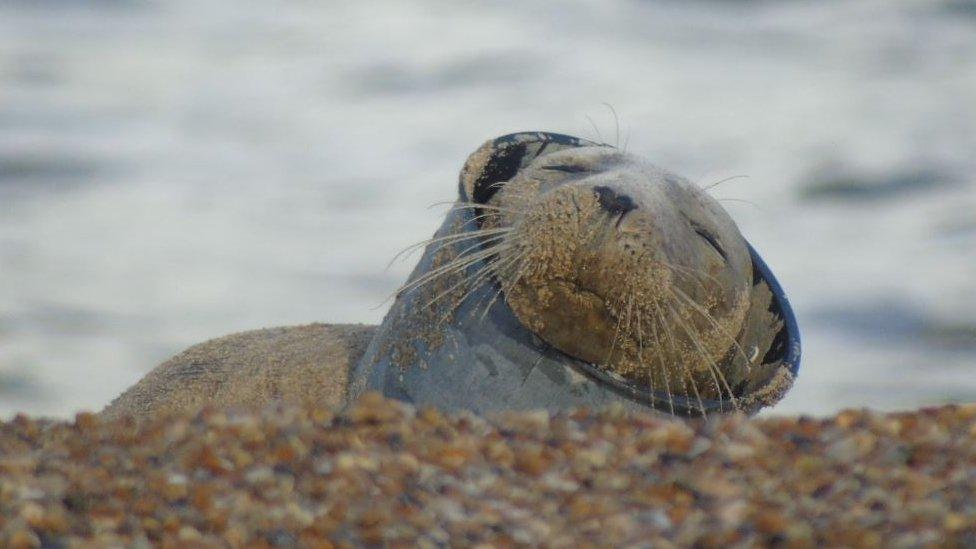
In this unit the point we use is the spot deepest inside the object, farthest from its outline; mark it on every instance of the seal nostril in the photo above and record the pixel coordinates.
(613, 202)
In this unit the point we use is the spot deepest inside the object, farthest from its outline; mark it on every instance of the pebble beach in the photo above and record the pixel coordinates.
(382, 472)
(175, 170)
(172, 171)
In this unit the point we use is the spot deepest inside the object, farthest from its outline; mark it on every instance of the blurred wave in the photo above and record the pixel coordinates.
(174, 171)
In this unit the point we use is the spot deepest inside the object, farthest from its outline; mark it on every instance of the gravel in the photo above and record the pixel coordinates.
(384, 473)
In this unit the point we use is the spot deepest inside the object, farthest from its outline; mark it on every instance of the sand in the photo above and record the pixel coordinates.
(383, 472)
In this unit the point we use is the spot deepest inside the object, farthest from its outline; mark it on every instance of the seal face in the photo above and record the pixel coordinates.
(570, 273)
(626, 266)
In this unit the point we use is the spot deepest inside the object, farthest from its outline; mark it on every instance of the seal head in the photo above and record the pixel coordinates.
(570, 273)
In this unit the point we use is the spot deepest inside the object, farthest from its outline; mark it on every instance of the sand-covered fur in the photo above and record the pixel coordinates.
(303, 365)
(627, 266)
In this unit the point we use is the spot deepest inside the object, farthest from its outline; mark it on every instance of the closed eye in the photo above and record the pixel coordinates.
(565, 168)
(710, 238)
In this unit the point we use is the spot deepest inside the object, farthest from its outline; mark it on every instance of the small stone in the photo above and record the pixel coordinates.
(348, 461)
(500, 453)
(188, 533)
(954, 522)
(452, 457)
(22, 539)
(591, 457)
(739, 452)
(850, 448)
(531, 461)
(86, 421)
(33, 514)
(372, 408)
(772, 522)
(534, 421)
(259, 475)
(175, 487)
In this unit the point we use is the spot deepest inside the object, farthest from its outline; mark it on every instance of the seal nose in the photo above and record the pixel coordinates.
(614, 203)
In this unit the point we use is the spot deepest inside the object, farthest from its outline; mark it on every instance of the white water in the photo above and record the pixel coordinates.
(174, 171)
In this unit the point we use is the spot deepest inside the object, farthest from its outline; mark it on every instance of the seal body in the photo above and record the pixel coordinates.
(301, 364)
(567, 274)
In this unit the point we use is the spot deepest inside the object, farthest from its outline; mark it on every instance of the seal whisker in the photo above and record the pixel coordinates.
(448, 239)
(518, 267)
(674, 353)
(498, 291)
(616, 333)
(720, 181)
(640, 357)
(708, 366)
(658, 348)
(749, 202)
(498, 185)
(406, 252)
(710, 363)
(405, 287)
(687, 271)
(667, 387)
(472, 278)
(616, 123)
(465, 235)
(680, 295)
(664, 371)
(685, 378)
(623, 314)
(457, 264)
(484, 216)
(498, 270)
(475, 280)
(496, 244)
(595, 129)
(463, 205)
(444, 270)
(481, 206)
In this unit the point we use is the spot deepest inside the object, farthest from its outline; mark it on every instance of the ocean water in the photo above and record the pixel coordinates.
(174, 171)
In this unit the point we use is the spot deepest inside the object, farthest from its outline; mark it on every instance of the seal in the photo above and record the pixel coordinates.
(298, 364)
(568, 273)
